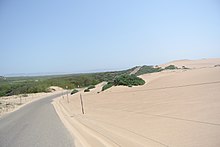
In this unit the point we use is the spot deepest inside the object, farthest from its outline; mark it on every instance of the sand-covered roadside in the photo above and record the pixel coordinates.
(9, 104)
(179, 108)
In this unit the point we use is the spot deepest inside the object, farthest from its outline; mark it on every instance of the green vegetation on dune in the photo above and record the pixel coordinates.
(171, 67)
(151, 69)
(74, 91)
(107, 86)
(128, 80)
(24, 85)
(91, 87)
(86, 90)
(125, 80)
(22, 88)
(148, 69)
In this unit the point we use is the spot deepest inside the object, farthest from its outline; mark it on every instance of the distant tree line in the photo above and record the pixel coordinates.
(25, 85)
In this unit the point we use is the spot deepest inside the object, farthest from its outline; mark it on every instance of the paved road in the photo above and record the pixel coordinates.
(34, 125)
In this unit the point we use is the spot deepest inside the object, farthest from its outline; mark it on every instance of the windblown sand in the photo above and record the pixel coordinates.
(178, 108)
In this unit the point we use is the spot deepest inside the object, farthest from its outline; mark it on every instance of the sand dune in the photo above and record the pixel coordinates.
(179, 108)
(203, 63)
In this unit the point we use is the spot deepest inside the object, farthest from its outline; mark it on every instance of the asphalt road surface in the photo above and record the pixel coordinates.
(34, 125)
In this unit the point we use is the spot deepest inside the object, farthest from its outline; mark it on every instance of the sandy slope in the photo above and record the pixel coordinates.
(175, 108)
(202, 63)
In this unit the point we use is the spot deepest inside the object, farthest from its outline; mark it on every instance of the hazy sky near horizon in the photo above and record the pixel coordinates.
(41, 36)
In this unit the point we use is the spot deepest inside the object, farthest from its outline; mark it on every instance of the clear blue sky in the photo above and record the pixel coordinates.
(40, 36)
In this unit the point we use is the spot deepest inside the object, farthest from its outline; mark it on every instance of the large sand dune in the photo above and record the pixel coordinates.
(202, 63)
(178, 108)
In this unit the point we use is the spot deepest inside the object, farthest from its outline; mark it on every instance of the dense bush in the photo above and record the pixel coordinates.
(25, 85)
(74, 91)
(125, 80)
(128, 80)
(23, 88)
(5, 89)
(171, 67)
(91, 87)
(107, 86)
(86, 90)
(148, 69)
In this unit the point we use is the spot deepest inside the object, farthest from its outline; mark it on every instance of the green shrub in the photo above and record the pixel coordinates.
(128, 80)
(171, 67)
(125, 80)
(91, 87)
(107, 86)
(25, 85)
(74, 91)
(148, 69)
(86, 90)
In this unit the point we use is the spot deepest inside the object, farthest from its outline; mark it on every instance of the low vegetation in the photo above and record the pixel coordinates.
(87, 90)
(23, 88)
(128, 80)
(91, 87)
(24, 85)
(125, 80)
(148, 69)
(171, 67)
(151, 69)
(74, 91)
(107, 86)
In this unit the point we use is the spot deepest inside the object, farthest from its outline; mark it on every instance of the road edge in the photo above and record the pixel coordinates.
(79, 141)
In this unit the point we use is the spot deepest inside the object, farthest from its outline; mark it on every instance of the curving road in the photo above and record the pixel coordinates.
(34, 125)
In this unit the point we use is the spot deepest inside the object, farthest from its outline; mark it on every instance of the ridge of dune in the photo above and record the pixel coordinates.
(174, 108)
(202, 63)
